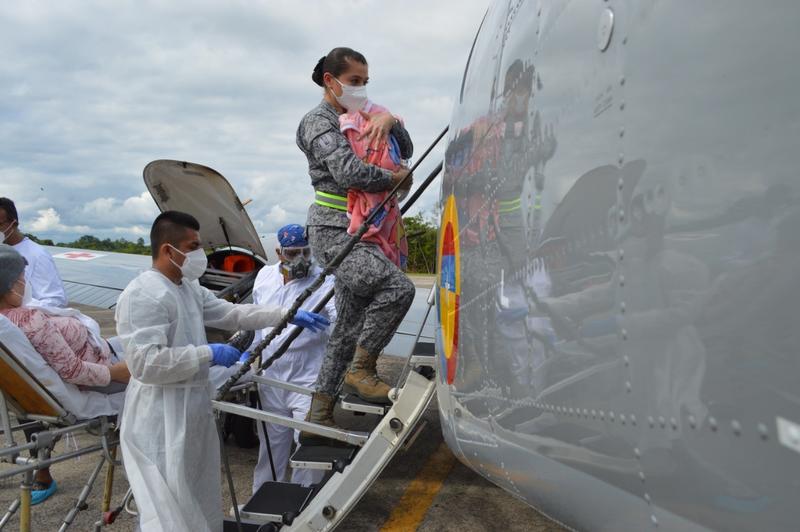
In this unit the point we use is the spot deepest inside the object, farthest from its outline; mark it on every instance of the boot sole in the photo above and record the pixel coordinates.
(380, 400)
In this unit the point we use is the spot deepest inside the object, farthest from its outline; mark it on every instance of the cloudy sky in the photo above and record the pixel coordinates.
(94, 90)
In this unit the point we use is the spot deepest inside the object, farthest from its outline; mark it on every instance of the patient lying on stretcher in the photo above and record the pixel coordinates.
(67, 340)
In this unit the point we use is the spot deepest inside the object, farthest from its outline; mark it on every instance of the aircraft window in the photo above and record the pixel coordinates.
(469, 58)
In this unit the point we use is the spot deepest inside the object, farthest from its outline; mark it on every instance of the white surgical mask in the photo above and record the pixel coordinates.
(26, 295)
(353, 98)
(7, 232)
(194, 265)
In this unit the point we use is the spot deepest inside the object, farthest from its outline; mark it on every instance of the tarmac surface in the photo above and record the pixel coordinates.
(424, 487)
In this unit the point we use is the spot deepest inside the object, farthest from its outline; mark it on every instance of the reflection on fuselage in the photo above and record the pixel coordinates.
(629, 262)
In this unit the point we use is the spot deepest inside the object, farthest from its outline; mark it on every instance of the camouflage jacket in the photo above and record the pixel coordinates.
(333, 166)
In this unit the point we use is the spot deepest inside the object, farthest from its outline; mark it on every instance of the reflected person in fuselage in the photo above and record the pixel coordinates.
(372, 294)
(168, 439)
(522, 340)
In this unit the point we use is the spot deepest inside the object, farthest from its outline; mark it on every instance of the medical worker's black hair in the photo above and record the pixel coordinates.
(335, 63)
(11, 210)
(170, 228)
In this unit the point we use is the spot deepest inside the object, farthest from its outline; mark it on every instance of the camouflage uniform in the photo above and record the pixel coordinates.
(372, 294)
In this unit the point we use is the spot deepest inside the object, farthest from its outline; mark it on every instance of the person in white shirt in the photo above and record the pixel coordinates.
(280, 284)
(47, 289)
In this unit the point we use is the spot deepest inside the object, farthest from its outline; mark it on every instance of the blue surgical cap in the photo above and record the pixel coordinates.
(292, 236)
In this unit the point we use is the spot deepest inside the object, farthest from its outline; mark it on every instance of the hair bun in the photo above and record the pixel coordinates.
(316, 76)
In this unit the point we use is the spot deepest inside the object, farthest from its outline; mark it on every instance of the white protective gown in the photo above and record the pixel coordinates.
(299, 365)
(168, 435)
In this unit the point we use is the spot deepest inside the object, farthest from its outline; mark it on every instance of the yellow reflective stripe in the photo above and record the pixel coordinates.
(331, 196)
(331, 205)
(509, 209)
(510, 202)
(506, 206)
(333, 201)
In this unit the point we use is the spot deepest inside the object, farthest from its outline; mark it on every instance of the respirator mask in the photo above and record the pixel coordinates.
(296, 262)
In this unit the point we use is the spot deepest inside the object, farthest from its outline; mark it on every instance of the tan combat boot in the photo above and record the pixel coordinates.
(321, 413)
(362, 379)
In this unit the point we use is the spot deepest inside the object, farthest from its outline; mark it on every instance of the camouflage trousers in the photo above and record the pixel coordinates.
(372, 298)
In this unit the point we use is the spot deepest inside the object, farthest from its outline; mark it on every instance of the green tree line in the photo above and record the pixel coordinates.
(120, 245)
(421, 244)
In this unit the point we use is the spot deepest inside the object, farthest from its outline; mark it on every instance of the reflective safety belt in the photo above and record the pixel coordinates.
(330, 200)
(506, 206)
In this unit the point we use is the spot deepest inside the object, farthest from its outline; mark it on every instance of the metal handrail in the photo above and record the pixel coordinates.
(353, 438)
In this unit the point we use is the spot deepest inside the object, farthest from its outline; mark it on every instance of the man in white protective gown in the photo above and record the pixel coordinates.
(168, 434)
(280, 284)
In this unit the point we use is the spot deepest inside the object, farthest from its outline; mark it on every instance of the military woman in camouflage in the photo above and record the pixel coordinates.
(372, 294)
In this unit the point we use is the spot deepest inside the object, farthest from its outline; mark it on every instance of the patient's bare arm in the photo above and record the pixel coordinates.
(119, 372)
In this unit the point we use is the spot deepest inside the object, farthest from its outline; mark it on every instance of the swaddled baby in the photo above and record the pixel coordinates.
(386, 229)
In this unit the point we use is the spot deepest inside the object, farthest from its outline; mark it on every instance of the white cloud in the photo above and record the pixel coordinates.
(106, 212)
(96, 91)
(49, 221)
(136, 230)
(277, 215)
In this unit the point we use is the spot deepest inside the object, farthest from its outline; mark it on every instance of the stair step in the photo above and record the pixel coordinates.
(322, 457)
(424, 355)
(425, 349)
(354, 403)
(277, 502)
(229, 525)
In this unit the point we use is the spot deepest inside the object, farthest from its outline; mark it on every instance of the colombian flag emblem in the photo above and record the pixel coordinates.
(449, 288)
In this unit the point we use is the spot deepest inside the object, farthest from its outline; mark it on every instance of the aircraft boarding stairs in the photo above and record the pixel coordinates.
(349, 470)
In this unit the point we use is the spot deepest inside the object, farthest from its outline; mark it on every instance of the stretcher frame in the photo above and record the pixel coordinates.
(33, 406)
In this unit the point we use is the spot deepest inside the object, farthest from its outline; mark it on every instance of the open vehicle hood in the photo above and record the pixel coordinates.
(205, 194)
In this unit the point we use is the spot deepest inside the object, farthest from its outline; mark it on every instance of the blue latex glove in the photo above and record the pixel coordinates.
(224, 355)
(244, 357)
(310, 320)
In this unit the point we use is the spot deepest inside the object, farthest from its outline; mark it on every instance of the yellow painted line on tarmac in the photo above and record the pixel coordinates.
(421, 491)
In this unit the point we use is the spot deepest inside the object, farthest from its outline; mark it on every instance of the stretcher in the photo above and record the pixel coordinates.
(36, 398)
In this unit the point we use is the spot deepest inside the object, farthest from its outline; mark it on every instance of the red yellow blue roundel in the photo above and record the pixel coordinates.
(449, 288)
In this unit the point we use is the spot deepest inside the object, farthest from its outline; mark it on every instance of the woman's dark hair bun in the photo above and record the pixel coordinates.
(316, 76)
(335, 63)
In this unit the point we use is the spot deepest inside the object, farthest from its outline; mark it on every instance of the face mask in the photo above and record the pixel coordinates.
(194, 265)
(298, 266)
(8, 232)
(26, 295)
(353, 98)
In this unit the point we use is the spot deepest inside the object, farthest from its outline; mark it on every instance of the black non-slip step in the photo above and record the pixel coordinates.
(354, 403)
(322, 457)
(279, 502)
(425, 349)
